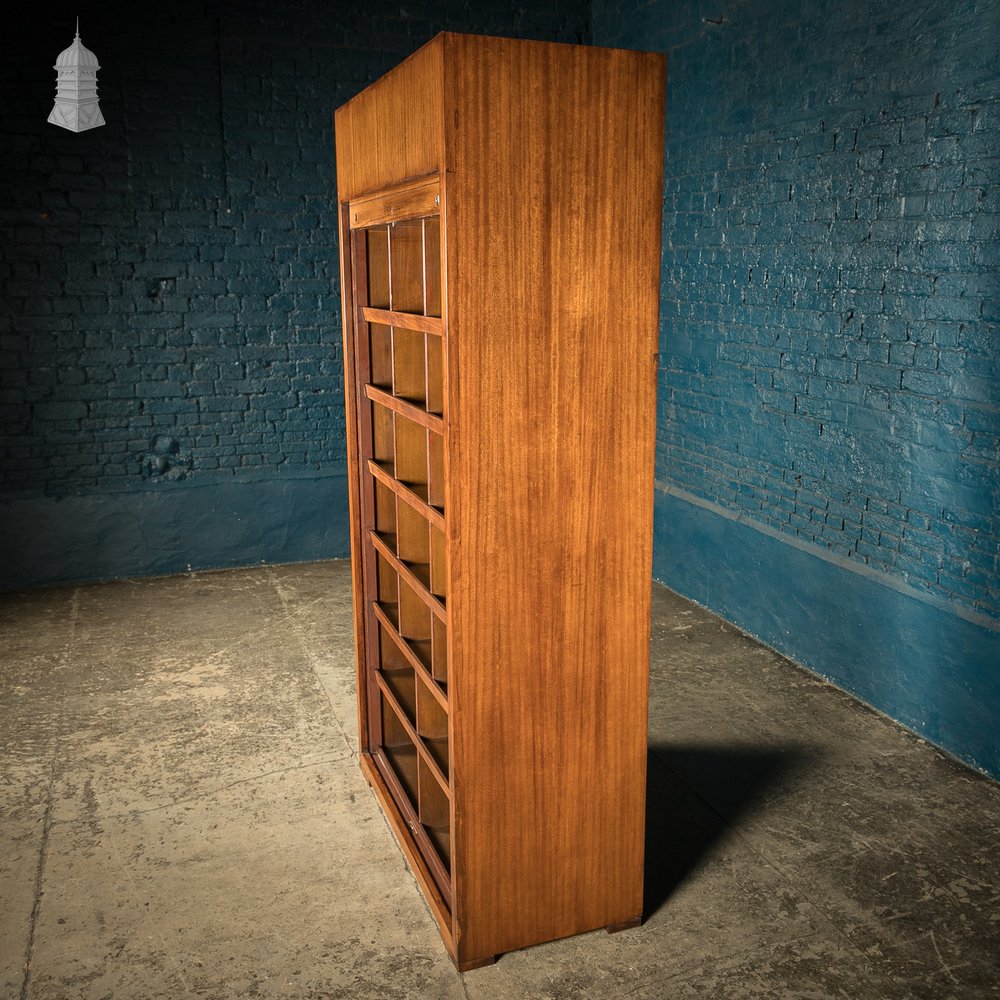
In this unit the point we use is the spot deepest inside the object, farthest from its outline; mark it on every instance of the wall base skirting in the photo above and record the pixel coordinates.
(171, 529)
(928, 667)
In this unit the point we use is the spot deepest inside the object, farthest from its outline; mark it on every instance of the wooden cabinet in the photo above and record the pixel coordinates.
(500, 206)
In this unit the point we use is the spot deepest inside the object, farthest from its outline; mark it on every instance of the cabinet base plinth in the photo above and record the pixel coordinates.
(475, 963)
(626, 926)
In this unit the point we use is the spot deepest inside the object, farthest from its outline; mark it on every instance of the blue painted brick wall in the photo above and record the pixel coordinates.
(171, 313)
(830, 304)
(828, 456)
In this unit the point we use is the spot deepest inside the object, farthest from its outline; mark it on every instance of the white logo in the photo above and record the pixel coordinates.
(76, 106)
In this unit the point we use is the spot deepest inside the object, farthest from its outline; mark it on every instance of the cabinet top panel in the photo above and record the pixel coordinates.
(393, 130)
(406, 125)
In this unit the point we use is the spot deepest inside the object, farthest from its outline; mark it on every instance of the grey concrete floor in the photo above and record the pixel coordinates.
(182, 815)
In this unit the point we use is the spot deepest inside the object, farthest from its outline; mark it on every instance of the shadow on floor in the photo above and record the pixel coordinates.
(695, 796)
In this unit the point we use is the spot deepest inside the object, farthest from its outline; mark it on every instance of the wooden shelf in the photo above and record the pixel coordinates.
(433, 325)
(391, 625)
(408, 494)
(421, 590)
(429, 420)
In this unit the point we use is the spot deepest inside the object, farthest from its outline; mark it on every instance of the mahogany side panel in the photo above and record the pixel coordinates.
(554, 179)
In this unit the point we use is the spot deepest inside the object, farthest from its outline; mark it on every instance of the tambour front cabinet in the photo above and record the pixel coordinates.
(500, 206)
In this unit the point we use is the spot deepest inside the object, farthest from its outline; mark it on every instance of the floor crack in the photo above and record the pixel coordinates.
(47, 821)
(290, 615)
(208, 793)
(39, 875)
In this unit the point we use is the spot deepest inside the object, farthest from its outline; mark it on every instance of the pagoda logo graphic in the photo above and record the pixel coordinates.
(76, 106)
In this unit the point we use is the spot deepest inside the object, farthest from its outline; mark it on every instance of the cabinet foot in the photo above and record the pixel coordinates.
(626, 926)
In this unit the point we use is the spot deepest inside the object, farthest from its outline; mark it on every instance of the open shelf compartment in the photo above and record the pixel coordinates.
(404, 266)
(400, 337)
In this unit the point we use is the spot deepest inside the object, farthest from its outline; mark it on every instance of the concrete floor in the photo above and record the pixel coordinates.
(182, 815)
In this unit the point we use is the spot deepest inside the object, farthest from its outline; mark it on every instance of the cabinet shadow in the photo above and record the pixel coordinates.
(695, 797)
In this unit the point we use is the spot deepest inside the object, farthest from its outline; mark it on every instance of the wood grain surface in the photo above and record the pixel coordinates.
(555, 176)
(406, 201)
(392, 131)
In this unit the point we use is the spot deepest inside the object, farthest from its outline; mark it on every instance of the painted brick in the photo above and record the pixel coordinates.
(982, 418)
(144, 264)
(856, 235)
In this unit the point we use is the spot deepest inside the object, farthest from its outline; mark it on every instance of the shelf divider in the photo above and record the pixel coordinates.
(412, 658)
(429, 420)
(418, 586)
(404, 320)
(418, 741)
(406, 494)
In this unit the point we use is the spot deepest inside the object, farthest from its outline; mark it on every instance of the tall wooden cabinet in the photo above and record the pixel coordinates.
(500, 206)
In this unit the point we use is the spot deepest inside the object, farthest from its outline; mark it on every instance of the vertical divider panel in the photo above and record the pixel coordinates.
(439, 563)
(432, 265)
(380, 346)
(414, 621)
(406, 266)
(383, 446)
(432, 720)
(434, 363)
(377, 267)
(439, 650)
(435, 470)
(409, 379)
(369, 271)
(412, 536)
(433, 801)
(387, 593)
(411, 454)
(385, 510)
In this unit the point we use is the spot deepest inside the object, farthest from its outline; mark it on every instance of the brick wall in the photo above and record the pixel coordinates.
(170, 312)
(829, 407)
(830, 301)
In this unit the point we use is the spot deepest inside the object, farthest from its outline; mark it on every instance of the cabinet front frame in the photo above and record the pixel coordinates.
(419, 198)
